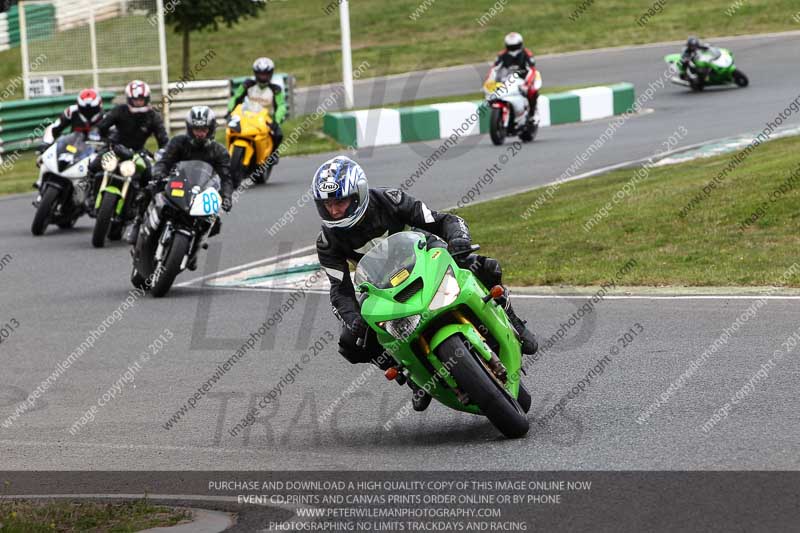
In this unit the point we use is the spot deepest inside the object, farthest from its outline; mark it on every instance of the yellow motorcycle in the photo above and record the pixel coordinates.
(249, 142)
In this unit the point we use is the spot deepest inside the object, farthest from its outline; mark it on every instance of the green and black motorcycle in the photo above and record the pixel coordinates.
(710, 67)
(445, 331)
(113, 209)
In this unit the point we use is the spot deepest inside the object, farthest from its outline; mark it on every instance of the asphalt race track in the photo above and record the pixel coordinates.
(59, 289)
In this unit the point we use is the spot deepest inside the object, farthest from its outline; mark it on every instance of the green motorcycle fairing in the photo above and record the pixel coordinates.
(718, 62)
(408, 298)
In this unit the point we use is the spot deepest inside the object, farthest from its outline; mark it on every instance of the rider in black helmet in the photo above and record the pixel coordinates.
(693, 45)
(197, 144)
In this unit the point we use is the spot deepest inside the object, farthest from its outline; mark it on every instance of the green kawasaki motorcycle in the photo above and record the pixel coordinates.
(709, 67)
(444, 330)
(112, 208)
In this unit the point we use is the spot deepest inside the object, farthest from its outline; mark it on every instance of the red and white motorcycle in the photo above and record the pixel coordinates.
(507, 96)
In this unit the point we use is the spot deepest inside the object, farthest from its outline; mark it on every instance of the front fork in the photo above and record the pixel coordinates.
(165, 240)
(123, 193)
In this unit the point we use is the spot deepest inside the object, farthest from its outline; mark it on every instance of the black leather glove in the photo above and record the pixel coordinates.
(358, 328)
(460, 247)
(227, 203)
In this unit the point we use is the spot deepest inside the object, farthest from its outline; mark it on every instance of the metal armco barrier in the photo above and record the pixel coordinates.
(20, 118)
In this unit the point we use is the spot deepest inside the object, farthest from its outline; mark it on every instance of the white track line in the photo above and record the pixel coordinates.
(571, 296)
(260, 262)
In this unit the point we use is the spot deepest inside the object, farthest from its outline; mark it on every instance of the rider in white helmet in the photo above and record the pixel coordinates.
(516, 55)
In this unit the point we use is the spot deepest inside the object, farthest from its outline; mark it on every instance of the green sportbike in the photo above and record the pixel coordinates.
(710, 67)
(445, 331)
(112, 208)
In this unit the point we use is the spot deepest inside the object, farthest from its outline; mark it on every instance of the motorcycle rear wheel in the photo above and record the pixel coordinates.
(473, 377)
(529, 134)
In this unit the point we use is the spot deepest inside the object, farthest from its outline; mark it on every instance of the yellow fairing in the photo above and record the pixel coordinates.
(253, 135)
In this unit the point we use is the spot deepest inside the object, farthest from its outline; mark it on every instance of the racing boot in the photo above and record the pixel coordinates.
(526, 337)
(133, 230)
(216, 228)
(420, 400)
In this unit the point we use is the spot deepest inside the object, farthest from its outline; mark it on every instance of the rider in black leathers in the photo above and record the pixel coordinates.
(133, 123)
(197, 144)
(371, 215)
(693, 45)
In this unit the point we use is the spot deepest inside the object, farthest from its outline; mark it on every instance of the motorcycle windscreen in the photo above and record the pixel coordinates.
(390, 262)
(251, 106)
(724, 60)
(188, 179)
(70, 149)
(504, 73)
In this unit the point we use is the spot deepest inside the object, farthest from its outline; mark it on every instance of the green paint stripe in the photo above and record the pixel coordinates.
(341, 127)
(564, 107)
(419, 124)
(422, 123)
(624, 96)
(484, 112)
(313, 267)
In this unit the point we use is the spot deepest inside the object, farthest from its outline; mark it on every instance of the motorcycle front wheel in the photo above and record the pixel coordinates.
(103, 221)
(740, 79)
(496, 129)
(237, 165)
(168, 270)
(484, 390)
(43, 212)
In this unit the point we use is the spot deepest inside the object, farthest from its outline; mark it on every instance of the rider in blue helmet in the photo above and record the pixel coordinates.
(355, 218)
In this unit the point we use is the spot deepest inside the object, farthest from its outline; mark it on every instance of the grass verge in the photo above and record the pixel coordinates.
(400, 36)
(712, 246)
(23, 516)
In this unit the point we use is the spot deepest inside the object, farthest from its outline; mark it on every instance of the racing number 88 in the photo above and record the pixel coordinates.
(210, 203)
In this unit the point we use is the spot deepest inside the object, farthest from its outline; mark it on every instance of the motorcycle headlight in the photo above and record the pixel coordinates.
(401, 328)
(127, 168)
(447, 292)
(109, 162)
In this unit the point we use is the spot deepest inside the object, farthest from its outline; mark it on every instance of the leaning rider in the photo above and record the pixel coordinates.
(354, 217)
(693, 45)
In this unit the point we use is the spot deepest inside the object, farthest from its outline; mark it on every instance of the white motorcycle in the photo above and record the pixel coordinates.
(507, 98)
(63, 182)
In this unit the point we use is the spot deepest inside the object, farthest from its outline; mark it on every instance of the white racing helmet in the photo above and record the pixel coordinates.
(513, 42)
(341, 177)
